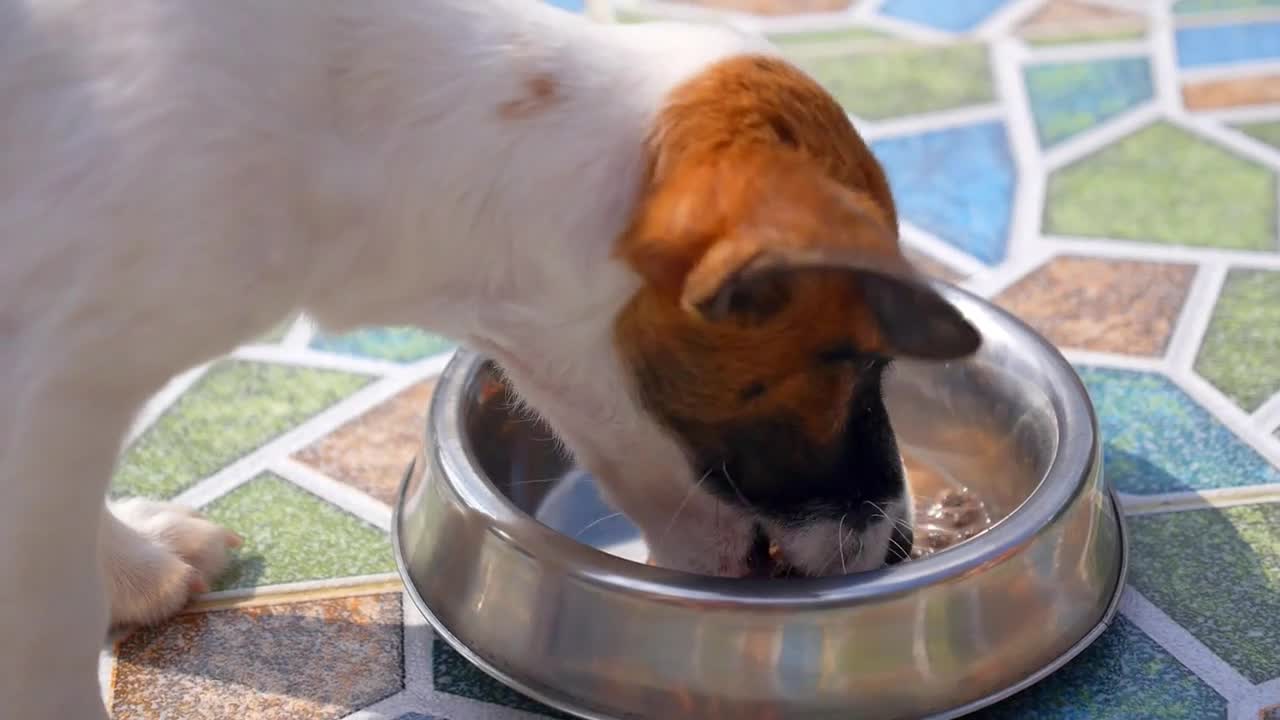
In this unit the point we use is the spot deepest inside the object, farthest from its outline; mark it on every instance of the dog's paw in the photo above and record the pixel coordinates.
(163, 554)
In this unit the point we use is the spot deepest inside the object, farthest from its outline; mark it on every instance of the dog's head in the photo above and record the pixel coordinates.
(774, 297)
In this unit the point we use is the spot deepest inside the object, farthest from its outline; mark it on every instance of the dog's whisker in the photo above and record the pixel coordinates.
(724, 470)
(687, 496)
(885, 514)
(844, 567)
(596, 522)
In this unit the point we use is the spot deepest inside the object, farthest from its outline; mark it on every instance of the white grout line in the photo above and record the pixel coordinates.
(417, 646)
(402, 703)
(1006, 19)
(1267, 417)
(1197, 311)
(1100, 136)
(1199, 499)
(1093, 358)
(1231, 71)
(257, 461)
(106, 664)
(1088, 52)
(163, 400)
(1164, 58)
(1161, 253)
(1265, 696)
(1227, 413)
(315, 360)
(1139, 7)
(337, 493)
(901, 28)
(300, 335)
(945, 253)
(1183, 646)
(926, 122)
(1240, 144)
(1000, 279)
(1024, 145)
(286, 592)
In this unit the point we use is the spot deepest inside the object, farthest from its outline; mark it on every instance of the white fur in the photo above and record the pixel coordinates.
(178, 175)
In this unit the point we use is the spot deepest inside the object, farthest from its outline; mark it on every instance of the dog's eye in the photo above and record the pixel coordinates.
(752, 391)
(838, 355)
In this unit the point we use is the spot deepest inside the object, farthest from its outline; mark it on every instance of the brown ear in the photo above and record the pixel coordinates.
(730, 241)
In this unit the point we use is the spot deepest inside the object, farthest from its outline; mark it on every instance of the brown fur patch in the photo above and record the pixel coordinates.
(541, 91)
(751, 157)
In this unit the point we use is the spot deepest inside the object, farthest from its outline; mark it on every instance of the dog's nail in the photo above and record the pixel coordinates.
(234, 540)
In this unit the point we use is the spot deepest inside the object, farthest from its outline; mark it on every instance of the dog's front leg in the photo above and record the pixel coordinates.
(58, 439)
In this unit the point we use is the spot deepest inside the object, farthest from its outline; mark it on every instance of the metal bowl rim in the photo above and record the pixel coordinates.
(1073, 462)
(1079, 646)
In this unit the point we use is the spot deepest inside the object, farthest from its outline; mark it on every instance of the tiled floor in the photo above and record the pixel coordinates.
(1107, 169)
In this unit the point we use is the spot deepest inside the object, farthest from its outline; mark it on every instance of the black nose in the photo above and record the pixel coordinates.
(899, 545)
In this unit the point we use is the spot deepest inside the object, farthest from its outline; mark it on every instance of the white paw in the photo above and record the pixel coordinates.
(159, 554)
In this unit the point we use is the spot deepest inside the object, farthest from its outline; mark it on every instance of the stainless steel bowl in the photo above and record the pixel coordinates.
(504, 568)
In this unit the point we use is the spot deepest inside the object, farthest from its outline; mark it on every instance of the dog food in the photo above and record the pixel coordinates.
(946, 513)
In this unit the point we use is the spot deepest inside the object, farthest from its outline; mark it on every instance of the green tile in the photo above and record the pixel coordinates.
(801, 41)
(1190, 7)
(1267, 132)
(905, 81)
(235, 408)
(291, 535)
(1216, 572)
(395, 344)
(1240, 353)
(1165, 185)
(1122, 676)
(1080, 38)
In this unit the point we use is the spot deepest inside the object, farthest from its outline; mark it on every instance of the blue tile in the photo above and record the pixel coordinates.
(1069, 98)
(950, 15)
(1124, 675)
(956, 183)
(395, 344)
(1227, 44)
(1156, 439)
(576, 6)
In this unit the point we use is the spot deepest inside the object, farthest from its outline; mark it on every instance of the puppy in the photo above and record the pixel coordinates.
(673, 242)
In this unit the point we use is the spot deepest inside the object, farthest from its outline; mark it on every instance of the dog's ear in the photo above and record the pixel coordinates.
(731, 243)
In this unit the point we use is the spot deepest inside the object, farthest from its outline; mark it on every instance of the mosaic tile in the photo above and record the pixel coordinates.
(575, 6)
(1240, 353)
(1156, 439)
(316, 660)
(1208, 45)
(801, 41)
(1112, 306)
(904, 80)
(1122, 676)
(1190, 7)
(1267, 132)
(291, 535)
(1060, 22)
(1165, 185)
(454, 674)
(773, 7)
(1183, 562)
(1232, 92)
(395, 344)
(371, 452)
(952, 15)
(956, 183)
(1069, 98)
(235, 408)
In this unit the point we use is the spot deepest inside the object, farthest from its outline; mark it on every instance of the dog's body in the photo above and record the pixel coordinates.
(176, 176)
